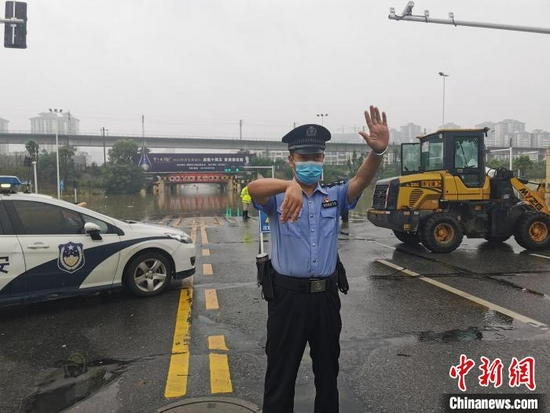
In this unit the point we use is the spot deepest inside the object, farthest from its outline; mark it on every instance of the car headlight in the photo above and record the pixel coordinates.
(186, 239)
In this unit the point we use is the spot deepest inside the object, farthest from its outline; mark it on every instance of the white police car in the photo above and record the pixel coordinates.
(51, 249)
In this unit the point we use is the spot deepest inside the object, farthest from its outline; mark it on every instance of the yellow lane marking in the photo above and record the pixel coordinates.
(203, 232)
(541, 256)
(178, 222)
(178, 371)
(193, 234)
(217, 343)
(165, 220)
(220, 379)
(465, 295)
(211, 299)
(207, 269)
(205, 252)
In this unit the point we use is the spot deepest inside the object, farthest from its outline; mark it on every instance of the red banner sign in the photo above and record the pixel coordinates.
(197, 178)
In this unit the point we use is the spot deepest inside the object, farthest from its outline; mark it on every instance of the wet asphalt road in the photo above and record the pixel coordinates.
(400, 334)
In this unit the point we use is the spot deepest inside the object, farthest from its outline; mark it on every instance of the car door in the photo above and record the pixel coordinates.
(59, 256)
(12, 262)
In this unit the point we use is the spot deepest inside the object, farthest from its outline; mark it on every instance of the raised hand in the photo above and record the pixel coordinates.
(379, 136)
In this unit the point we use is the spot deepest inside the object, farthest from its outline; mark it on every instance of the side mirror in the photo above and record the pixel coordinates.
(93, 230)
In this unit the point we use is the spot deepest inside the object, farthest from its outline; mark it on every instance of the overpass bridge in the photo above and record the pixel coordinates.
(198, 142)
(166, 142)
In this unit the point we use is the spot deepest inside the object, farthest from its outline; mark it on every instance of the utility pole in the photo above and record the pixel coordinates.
(55, 112)
(443, 116)
(241, 121)
(68, 126)
(104, 151)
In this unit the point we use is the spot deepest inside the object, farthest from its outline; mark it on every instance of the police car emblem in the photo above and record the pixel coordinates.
(71, 257)
(311, 131)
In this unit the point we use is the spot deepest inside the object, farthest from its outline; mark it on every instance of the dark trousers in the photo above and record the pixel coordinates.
(295, 318)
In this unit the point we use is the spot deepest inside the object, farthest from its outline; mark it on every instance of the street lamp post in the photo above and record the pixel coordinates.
(443, 75)
(322, 116)
(241, 122)
(55, 112)
(35, 178)
(104, 149)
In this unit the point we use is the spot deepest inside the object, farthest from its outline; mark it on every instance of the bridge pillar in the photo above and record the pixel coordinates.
(160, 187)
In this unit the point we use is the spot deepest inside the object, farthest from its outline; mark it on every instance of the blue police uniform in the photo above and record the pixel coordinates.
(304, 257)
(307, 247)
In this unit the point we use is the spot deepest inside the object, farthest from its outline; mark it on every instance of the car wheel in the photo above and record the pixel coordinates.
(148, 274)
(410, 238)
(441, 233)
(532, 231)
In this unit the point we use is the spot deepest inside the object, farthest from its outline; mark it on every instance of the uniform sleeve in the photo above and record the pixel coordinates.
(343, 198)
(267, 208)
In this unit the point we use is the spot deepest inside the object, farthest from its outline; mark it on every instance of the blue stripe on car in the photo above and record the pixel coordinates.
(28, 281)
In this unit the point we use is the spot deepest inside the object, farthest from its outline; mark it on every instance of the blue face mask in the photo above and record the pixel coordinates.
(309, 172)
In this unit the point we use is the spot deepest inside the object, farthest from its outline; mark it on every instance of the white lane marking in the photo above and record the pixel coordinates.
(541, 256)
(465, 295)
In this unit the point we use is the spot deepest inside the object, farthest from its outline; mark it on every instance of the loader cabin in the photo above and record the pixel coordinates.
(457, 151)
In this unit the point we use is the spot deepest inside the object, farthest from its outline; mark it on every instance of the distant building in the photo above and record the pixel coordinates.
(395, 137)
(490, 139)
(451, 125)
(4, 147)
(507, 130)
(540, 138)
(410, 132)
(45, 122)
(522, 140)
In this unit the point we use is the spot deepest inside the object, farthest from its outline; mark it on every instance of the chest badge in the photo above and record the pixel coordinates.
(327, 203)
(71, 257)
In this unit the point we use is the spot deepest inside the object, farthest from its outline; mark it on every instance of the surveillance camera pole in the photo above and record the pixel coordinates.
(408, 16)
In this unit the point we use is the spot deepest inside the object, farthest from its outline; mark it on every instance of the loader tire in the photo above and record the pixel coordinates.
(532, 231)
(410, 238)
(441, 233)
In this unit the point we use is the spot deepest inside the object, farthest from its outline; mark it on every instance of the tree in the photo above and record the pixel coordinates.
(498, 163)
(124, 152)
(32, 148)
(66, 163)
(123, 179)
(522, 164)
(354, 163)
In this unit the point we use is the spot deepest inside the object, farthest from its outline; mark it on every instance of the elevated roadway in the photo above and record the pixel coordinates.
(165, 142)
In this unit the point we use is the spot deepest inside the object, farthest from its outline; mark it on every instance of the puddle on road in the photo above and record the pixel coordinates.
(469, 334)
(73, 380)
(491, 333)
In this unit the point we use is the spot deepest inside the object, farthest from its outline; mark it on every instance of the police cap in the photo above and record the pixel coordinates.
(307, 139)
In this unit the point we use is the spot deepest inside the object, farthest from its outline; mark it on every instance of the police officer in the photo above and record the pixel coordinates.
(304, 219)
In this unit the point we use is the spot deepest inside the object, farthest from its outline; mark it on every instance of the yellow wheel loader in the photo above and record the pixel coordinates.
(445, 193)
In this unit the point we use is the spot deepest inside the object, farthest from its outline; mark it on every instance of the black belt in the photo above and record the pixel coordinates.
(305, 285)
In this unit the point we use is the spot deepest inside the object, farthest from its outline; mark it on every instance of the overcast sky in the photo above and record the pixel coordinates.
(197, 67)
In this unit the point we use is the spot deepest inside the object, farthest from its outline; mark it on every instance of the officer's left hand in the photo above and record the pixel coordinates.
(379, 136)
(292, 204)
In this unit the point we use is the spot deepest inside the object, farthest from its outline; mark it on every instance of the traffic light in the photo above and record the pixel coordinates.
(15, 35)
(28, 161)
(231, 169)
